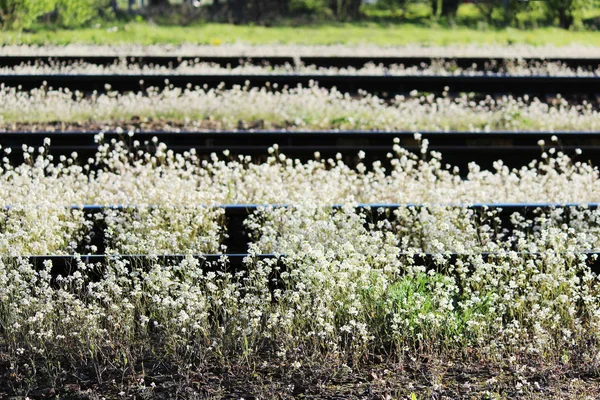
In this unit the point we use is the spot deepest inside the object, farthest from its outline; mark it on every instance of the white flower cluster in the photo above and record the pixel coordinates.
(167, 229)
(40, 230)
(351, 283)
(425, 229)
(360, 283)
(119, 175)
(307, 108)
(361, 289)
(437, 68)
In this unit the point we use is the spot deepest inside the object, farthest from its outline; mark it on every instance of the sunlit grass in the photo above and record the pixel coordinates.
(331, 33)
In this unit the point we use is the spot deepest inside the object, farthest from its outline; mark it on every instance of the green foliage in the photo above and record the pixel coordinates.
(22, 13)
(566, 12)
(77, 12)
(563, 13)
(311, 7)
(421, 299)
(391, 4)
(25, 14)
(520, 13)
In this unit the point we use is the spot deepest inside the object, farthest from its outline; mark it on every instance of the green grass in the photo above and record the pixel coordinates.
(346, 33)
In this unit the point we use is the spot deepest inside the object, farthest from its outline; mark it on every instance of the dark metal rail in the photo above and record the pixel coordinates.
(515, 149)
(237, 238)
(238, 259)
(66, 264)
(63, 263)
(382, 85)
(319, 61)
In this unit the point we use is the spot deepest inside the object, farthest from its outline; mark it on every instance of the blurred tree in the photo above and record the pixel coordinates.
(257, 11)
(216, 6)
(345, 9)
(238, 10)
(435, 7)
(23, 13)
(486, 8)
(157, 3)
(72, 13)
(392, 5)
(565, 10)
(308, 8)
(504, 11)
(449, 8)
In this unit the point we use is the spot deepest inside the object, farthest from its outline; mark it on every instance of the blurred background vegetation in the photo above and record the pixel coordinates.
(35, 16)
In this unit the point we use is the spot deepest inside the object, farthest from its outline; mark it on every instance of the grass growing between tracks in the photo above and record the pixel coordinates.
(323, 34)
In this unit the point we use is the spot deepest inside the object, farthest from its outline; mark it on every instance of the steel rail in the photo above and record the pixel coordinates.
(246, 209)
(303, 144)
(383, 85)
(318, 61)
(65, 264)
(515, 149)
(237, 238)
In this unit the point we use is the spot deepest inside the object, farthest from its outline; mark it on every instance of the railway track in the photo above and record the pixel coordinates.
(515, 149)
(458, 148)
(67, 264)
(318, 61)
(237, 239)
(385, 86)
(236, 236)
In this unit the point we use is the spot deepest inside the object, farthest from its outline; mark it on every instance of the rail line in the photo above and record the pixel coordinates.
(236, 236)
(66, 264)
(383, 85)
(514, 148)
(318, 61)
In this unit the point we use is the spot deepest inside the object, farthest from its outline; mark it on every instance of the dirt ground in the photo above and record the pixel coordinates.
(438, 380)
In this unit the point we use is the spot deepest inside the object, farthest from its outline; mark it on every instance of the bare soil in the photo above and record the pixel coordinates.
(272, 380)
